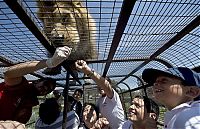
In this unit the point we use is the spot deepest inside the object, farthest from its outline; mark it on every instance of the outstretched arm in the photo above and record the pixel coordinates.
(99, 80)
(13, 75)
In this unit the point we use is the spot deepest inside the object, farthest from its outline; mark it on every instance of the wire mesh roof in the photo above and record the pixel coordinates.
(129, 36)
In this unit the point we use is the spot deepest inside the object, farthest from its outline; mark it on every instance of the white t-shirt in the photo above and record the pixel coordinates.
(112, 110)
(184, 116)
(72, 122)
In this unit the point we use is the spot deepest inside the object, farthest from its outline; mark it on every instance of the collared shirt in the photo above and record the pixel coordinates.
(183, 116)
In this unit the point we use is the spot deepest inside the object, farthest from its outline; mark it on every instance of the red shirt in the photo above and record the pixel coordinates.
(12, 98)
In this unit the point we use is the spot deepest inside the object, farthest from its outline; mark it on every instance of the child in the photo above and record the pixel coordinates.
(178, 89)
(142, 114)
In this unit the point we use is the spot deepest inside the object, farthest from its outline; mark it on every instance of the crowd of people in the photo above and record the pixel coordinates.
(177, 89)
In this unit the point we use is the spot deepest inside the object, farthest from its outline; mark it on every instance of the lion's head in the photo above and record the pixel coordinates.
(67, 22)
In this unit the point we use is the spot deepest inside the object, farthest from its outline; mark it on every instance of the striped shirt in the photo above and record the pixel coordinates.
(72, 122)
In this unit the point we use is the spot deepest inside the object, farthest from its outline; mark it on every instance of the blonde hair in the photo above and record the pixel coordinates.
(79, 28)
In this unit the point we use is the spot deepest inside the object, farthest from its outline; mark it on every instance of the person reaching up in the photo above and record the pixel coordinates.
(109, 104)
(17, 95)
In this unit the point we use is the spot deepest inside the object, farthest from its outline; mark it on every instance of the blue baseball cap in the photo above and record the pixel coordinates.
(188, 76)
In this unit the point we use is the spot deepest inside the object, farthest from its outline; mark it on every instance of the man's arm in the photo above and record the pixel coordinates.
(14, 74)
(99, 80)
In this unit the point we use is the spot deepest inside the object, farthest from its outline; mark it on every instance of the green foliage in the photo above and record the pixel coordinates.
(35, 114)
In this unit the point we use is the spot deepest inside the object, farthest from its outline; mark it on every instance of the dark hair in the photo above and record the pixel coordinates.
(79, 90)
(151, 106)
(94, 107)
(49, 111)
(70, 99)
(47, 82)
(51, 82)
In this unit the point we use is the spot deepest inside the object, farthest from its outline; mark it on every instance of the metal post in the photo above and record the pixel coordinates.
(66, 106)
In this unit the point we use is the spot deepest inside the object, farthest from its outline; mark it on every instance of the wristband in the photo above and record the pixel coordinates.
(91, 73)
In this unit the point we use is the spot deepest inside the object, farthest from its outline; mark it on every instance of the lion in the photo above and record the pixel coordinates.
(68, 23)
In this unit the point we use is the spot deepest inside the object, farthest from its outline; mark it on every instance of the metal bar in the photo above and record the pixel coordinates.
(129, 60)
(112, 76)
(135, 89)
(192, 25)
(125, 13)
(129, 89)
(23, 15)
(138, 79)
(6, 61)
(197, 69)
(83, 93)
(123, 101)
(3, 65)
(66, 66)
(141, 81)
(65, 94)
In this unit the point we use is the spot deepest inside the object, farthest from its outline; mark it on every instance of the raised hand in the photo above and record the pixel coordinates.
(61, 54)
(82, 66)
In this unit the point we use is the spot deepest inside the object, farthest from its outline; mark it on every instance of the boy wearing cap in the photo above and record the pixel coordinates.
(178, 89)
